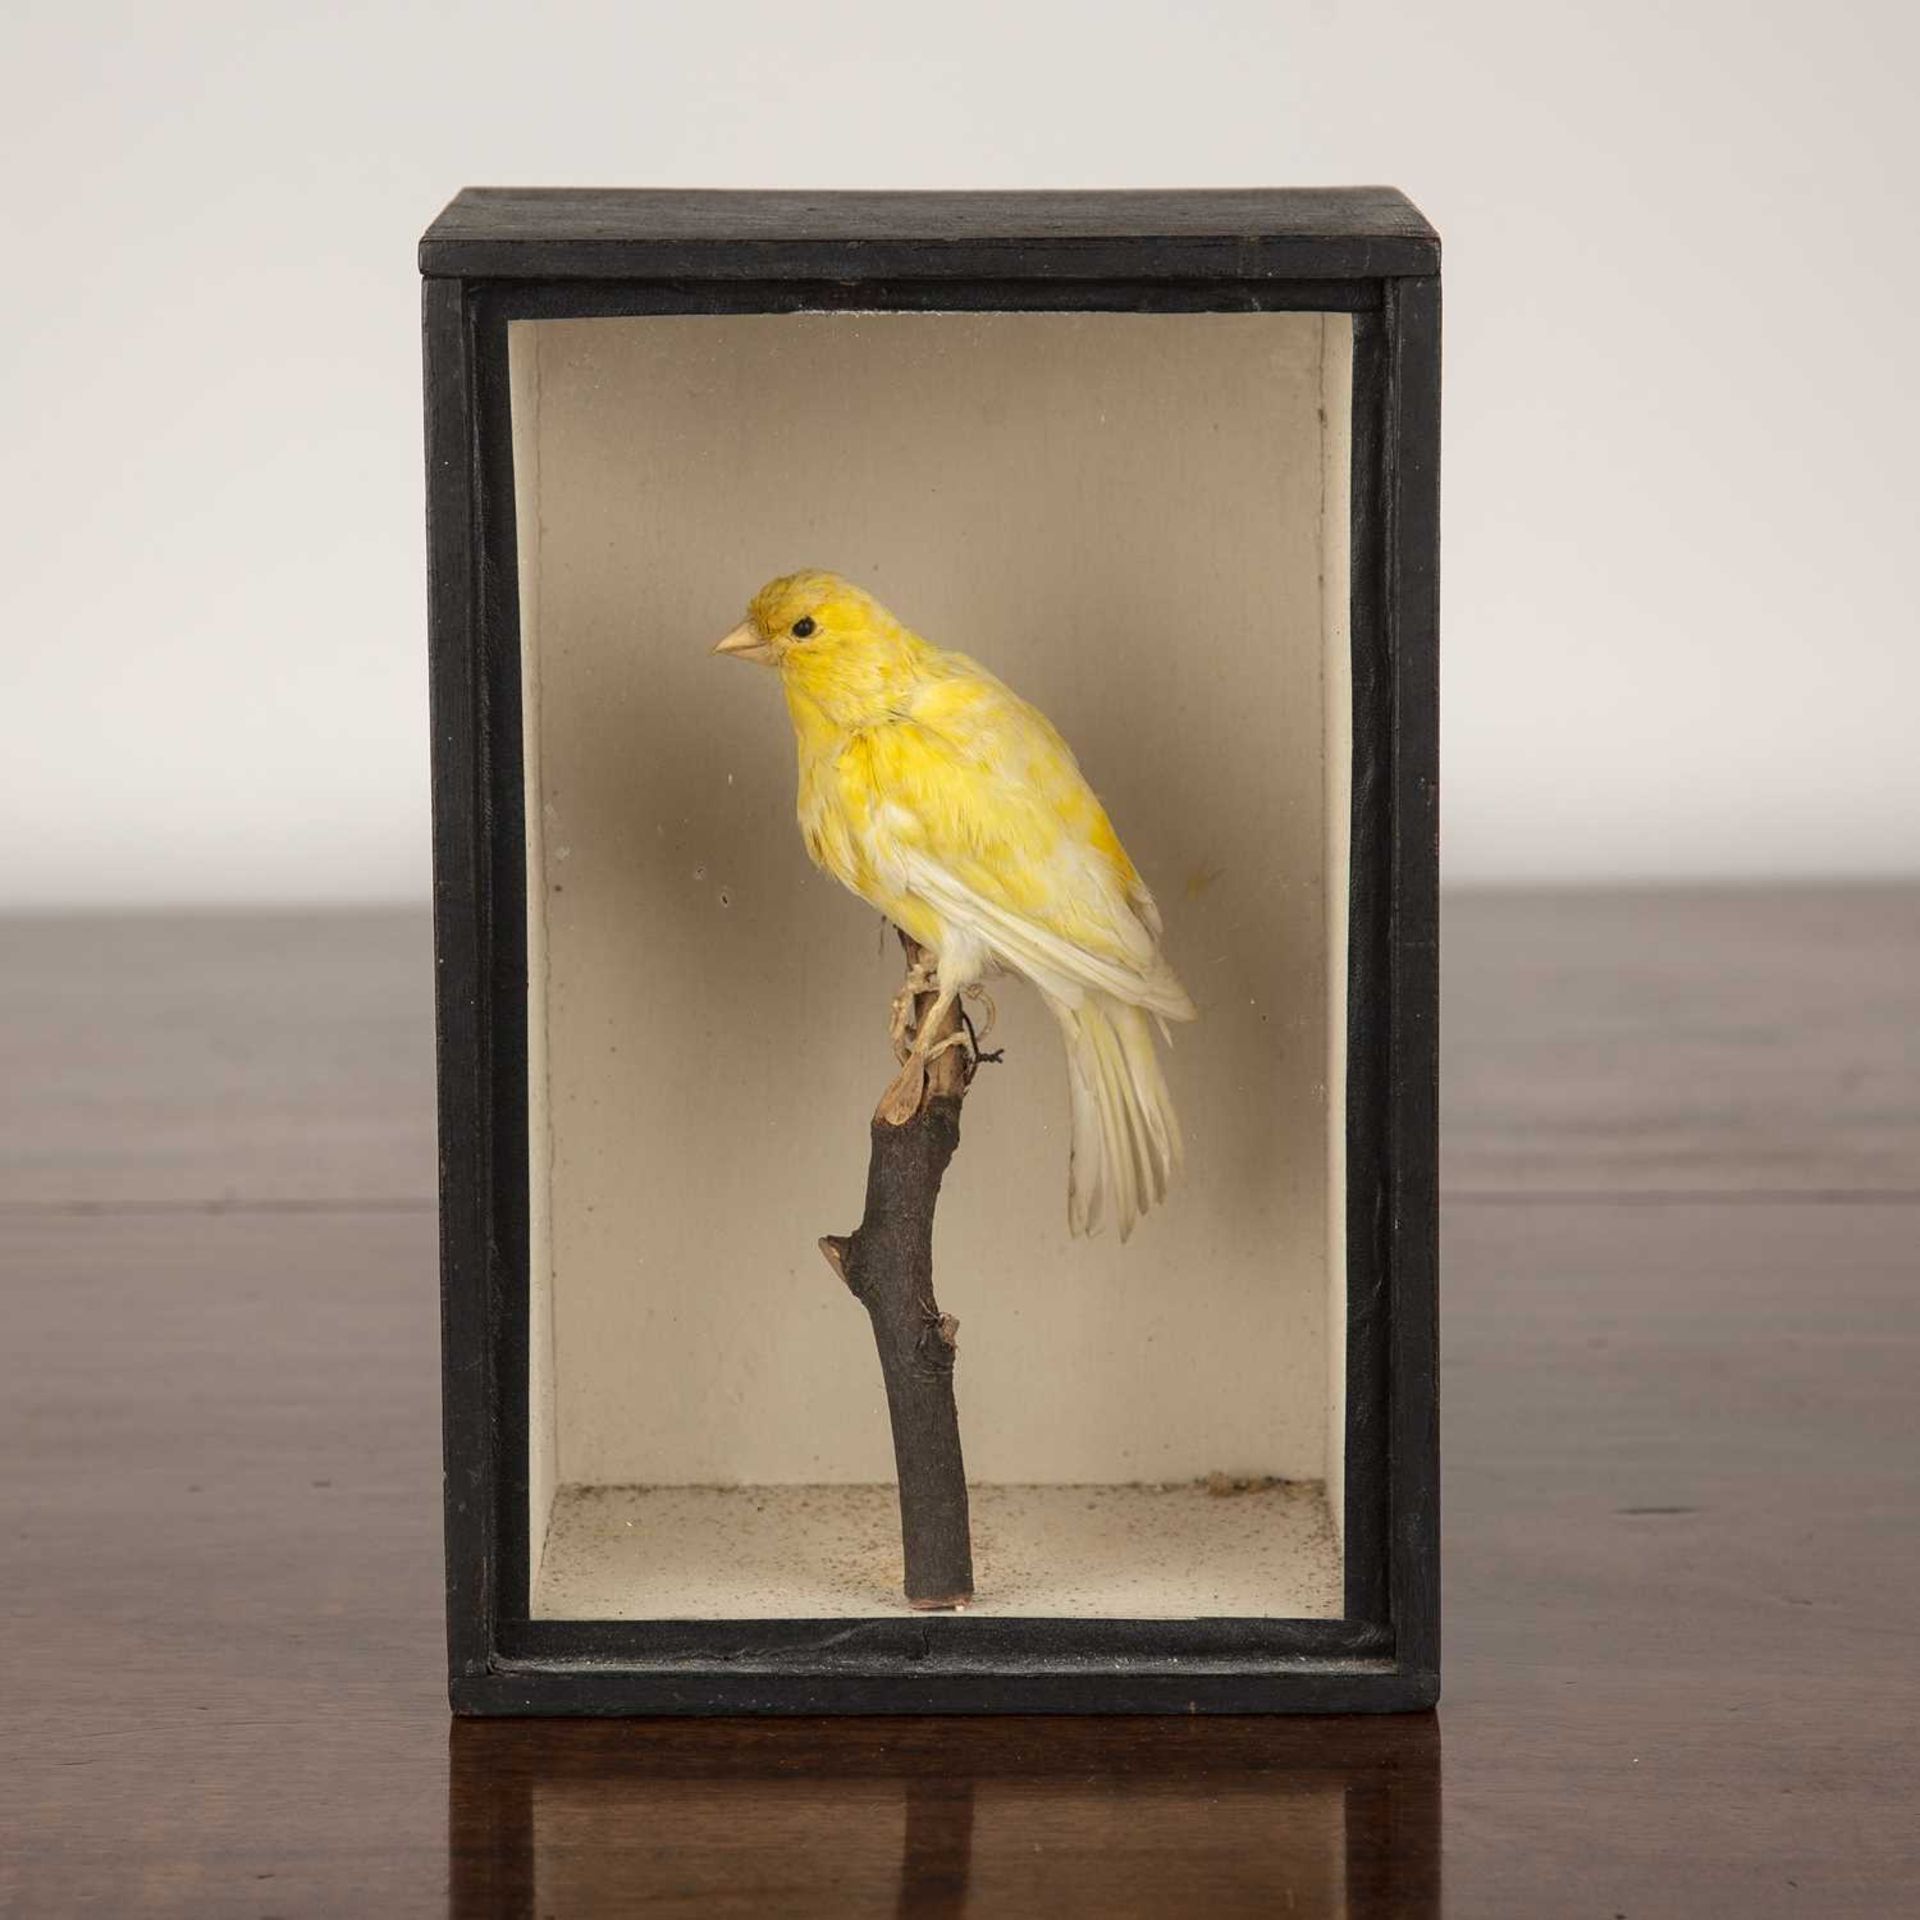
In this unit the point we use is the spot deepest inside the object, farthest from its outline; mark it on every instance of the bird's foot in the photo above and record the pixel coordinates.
(900, 1024)
(908, 1090)
(963, 1037)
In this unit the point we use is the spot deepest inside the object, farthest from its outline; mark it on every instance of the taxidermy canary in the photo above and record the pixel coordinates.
(942, 798)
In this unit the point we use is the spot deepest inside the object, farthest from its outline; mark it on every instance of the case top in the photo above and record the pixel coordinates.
(545, 233)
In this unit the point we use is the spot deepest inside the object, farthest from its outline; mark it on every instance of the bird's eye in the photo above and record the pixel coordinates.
(803, 627)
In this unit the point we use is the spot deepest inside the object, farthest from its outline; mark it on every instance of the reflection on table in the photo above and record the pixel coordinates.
(1035, 1816)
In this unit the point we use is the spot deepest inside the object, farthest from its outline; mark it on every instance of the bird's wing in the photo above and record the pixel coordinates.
(987, 816)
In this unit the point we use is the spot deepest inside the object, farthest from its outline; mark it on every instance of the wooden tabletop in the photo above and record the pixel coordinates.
(1681, 1336)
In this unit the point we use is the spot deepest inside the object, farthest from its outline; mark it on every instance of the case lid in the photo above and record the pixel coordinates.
(601, 233)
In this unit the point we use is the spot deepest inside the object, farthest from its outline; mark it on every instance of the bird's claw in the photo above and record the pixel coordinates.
(908, 1089)
(900, 1022)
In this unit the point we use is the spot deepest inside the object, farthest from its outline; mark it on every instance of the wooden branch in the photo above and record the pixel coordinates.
(887, 1263)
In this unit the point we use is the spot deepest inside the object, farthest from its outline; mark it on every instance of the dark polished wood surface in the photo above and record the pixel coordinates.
(1682, 1328)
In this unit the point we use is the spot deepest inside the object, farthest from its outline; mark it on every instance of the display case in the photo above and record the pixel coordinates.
(1167, 464)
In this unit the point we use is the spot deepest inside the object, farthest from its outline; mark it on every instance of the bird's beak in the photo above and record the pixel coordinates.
(744, 643)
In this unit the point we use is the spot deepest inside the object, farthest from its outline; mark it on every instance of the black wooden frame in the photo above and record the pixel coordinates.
(494, 257)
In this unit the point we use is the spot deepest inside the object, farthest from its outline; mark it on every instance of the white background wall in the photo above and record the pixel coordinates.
(1680, 481)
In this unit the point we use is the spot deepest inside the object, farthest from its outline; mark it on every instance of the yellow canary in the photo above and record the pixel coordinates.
(942, 798)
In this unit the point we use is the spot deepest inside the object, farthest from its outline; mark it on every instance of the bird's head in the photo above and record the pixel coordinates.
(815, 626)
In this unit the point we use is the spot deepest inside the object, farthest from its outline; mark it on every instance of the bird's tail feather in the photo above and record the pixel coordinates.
(1126, 1135)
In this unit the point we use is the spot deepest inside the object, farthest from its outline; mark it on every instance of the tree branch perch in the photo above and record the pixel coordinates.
(887, 1264)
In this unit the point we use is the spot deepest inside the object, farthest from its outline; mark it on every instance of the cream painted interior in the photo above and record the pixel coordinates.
(1140, 522)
